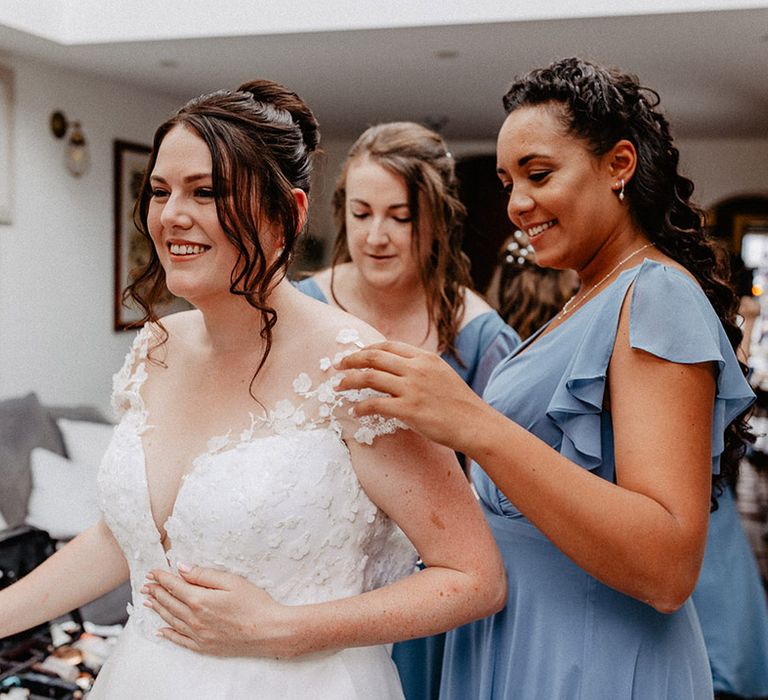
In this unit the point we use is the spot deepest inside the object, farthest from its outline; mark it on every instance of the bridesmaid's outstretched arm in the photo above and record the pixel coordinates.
(644, 535)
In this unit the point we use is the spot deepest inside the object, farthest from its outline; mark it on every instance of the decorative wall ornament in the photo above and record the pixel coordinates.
(77, 157)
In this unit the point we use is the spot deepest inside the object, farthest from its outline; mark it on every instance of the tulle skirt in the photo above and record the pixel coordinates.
(157, 669)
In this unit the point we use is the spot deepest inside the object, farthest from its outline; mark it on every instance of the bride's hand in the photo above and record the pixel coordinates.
(218, 613)
(425, 392)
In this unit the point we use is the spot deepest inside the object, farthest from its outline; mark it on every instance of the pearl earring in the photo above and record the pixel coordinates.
(620, 187)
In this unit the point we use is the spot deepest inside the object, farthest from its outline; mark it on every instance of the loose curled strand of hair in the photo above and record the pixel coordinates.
(260, 138)
(602, 106)
(419, 156)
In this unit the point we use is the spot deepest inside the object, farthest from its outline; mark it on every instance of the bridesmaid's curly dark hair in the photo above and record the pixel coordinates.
(601, 106)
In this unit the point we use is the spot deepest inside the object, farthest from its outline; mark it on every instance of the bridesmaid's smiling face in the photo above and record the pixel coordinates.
(183, 220)
(560, 193)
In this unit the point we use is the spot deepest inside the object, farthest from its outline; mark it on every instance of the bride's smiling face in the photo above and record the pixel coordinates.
(183, 220)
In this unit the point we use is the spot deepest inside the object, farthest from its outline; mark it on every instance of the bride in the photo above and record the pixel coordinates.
(260, 522)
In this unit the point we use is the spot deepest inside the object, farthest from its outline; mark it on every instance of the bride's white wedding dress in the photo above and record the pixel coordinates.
(279, 504)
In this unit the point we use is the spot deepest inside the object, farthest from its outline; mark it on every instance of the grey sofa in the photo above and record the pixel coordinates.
(25, 423)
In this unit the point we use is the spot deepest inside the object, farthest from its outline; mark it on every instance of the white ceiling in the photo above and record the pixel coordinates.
(711, 68)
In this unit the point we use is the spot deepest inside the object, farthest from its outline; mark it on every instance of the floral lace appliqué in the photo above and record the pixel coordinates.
(369, 427)
(320, 406)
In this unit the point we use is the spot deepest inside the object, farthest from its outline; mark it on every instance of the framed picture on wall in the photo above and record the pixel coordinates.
(131, 248)
(6, 143)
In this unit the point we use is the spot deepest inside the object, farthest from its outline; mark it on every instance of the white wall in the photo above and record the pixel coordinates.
(56, 258)
(722, 168)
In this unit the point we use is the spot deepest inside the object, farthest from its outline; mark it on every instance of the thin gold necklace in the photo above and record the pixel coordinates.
(573, 304)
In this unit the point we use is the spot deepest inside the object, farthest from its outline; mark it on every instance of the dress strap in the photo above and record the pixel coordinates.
(127, 383)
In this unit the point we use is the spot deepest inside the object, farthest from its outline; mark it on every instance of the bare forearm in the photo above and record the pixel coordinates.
(430, 601)
(623, 538)
(87, 567)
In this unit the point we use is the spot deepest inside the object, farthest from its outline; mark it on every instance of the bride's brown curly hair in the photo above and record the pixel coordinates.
(601, 106)
(419, 156)
(261, 138)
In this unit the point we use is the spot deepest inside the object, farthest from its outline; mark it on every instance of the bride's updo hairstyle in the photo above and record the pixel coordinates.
(419, 156)
(261, 138)
(602, 106)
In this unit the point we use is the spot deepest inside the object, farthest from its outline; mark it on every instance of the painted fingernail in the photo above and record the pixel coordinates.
(184, 568)
(150, 576)
(159, 635)
(144, 589)
(147, 603)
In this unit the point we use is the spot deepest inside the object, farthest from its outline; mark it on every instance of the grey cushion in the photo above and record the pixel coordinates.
(84, 413)
(24, 424)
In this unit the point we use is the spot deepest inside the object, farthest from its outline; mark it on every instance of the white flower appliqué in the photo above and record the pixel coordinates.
(302, 384)
(349, 335)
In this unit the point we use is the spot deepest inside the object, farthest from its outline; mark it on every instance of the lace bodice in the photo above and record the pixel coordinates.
(279, 504)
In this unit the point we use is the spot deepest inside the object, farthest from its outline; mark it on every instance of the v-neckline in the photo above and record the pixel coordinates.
(216, 444)
(161, 530)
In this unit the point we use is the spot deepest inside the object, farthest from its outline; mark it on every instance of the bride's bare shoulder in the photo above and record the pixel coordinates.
(323, 323)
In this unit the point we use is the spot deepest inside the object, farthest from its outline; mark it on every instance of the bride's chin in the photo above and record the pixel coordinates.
(191, 293)
(178, 290)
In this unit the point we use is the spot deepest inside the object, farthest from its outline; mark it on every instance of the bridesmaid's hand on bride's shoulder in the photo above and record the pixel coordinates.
(424, 391)
(219, 613)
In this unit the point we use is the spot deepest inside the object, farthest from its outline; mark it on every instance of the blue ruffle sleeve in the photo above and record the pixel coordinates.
(671, 318)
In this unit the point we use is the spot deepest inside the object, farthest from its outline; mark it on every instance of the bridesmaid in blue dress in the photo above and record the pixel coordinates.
(398, 265)
(729, 597)
(596, 444)
(731, 603)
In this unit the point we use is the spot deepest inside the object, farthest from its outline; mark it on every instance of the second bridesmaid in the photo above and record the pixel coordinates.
(398, 265)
